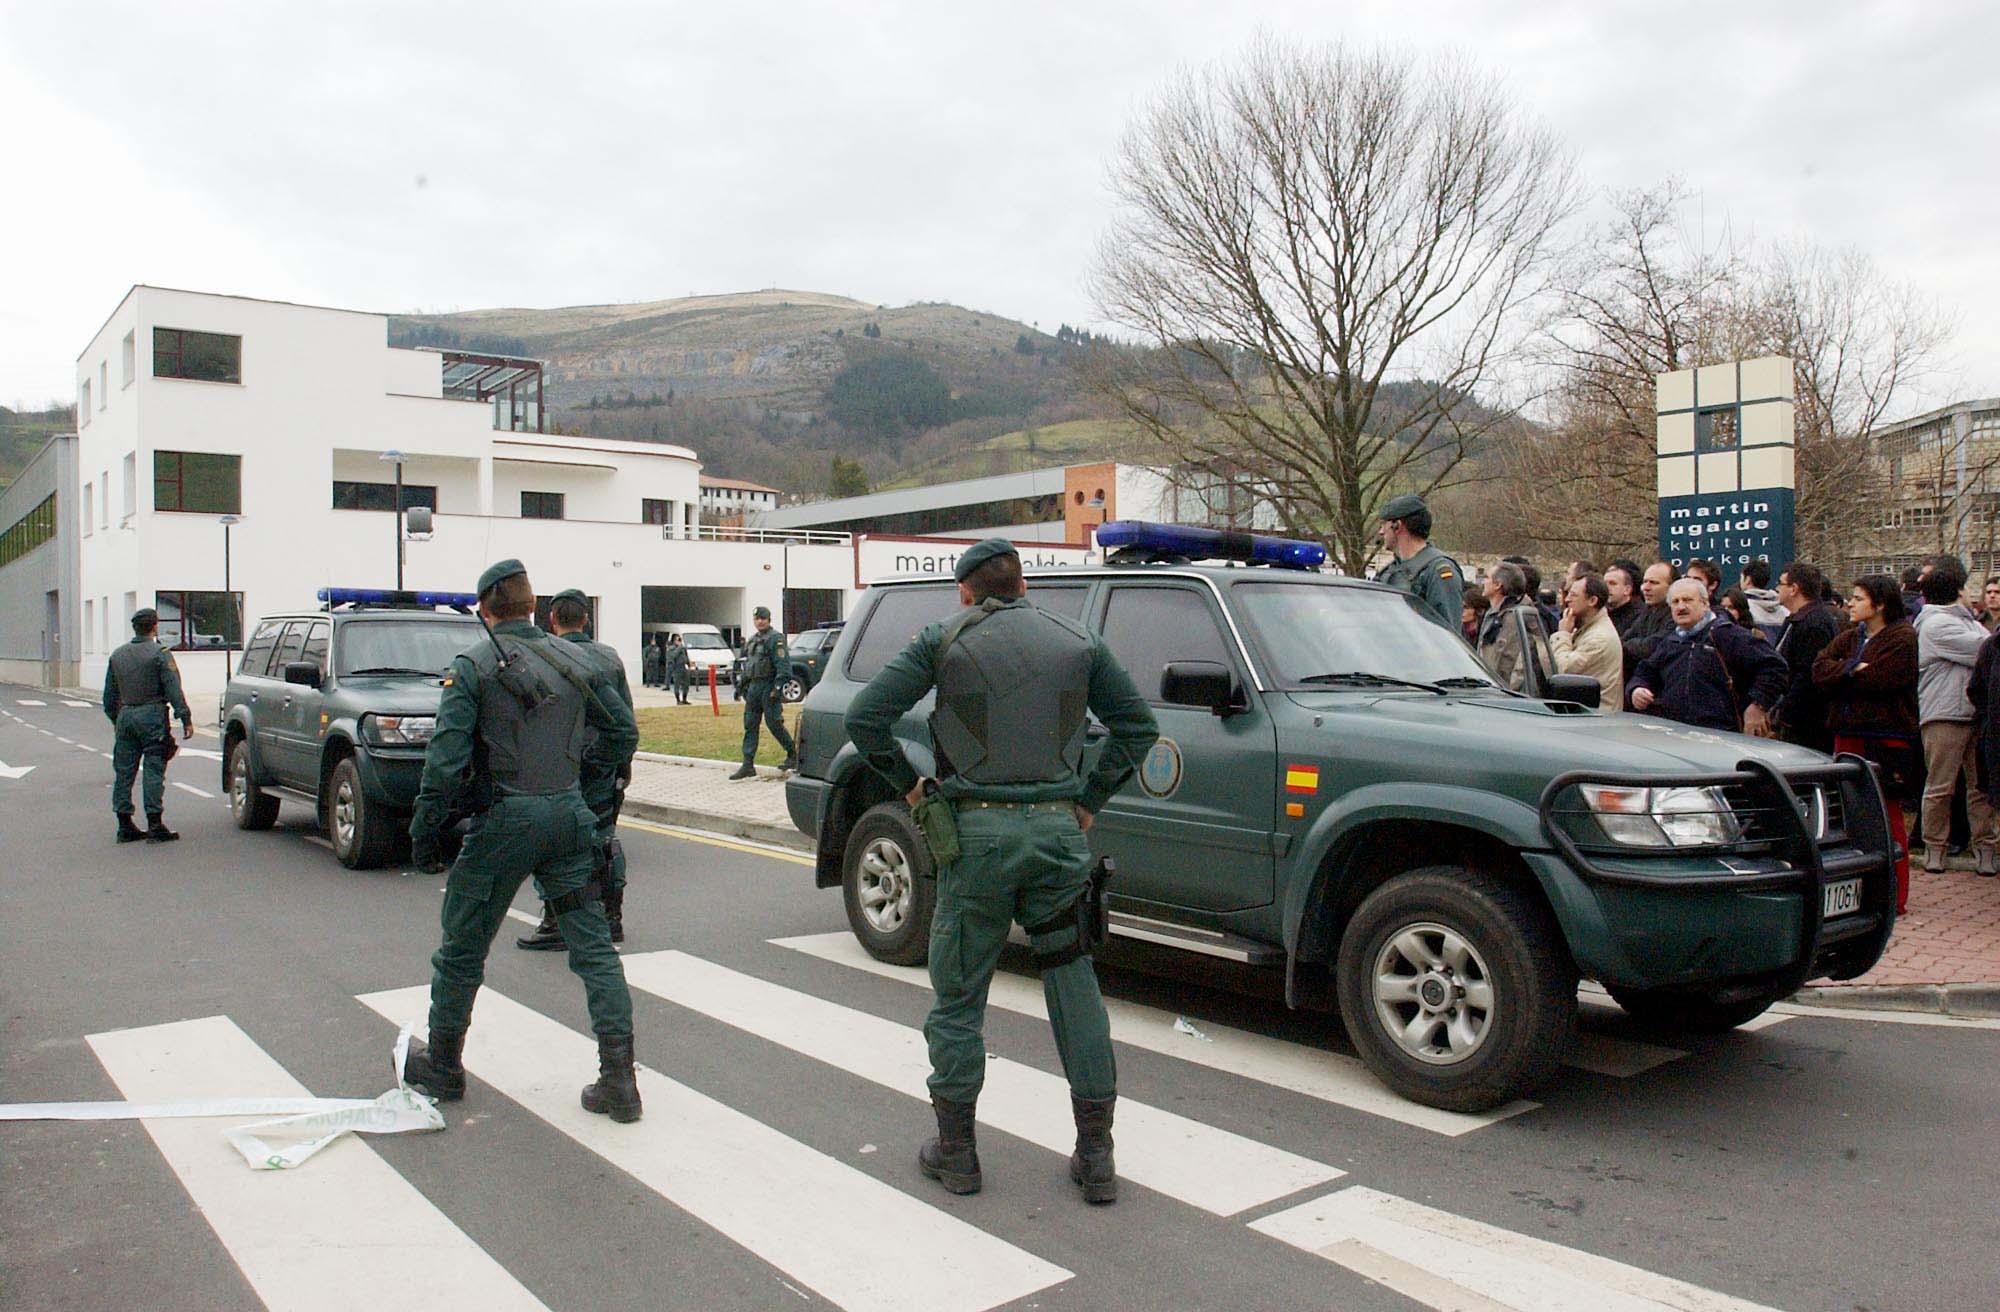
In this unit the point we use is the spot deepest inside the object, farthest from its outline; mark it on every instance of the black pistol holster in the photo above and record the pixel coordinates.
(1090, 915)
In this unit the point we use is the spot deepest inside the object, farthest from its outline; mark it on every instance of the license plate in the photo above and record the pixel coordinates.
(1841, 898)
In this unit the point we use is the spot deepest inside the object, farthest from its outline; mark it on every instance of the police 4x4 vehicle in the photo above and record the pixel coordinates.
(335, 708)
(1339, 783)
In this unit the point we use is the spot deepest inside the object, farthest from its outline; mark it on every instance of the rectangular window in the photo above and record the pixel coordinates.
(198, 482)
(381, 496)
(315, 648)
(653, 510)
(541, 505)
(1146, 627)
(257, 656)
(200, 621)
(103, 382)
(128, 357)
(202, 357)
(89, 625)
(131, 483)
(89, 501)
(83, 405)
(29, 531)
(289, 648)
(104, 498)
(897, 618)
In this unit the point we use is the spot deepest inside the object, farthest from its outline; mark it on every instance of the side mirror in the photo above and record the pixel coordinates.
(1581, 688)
(302, 672)
(417, 519)
(1206, 684)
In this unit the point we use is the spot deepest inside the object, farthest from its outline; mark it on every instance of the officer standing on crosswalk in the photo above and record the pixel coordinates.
(141, 683)
(605, 772)
(511, 730)
(1432, 578)
(1012, 684)
(765, 665)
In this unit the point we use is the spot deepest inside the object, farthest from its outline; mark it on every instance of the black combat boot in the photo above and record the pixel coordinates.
(952, 1159)
(616, 1092)
(1090, 1166)
(614, 911)
(157, 831)
(438, 1068)
(127, 831)
(791, 761)
(545, 937)
(747, 770)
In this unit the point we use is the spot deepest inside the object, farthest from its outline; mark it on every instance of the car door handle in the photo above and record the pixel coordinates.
(1096, 733)
(288, 702)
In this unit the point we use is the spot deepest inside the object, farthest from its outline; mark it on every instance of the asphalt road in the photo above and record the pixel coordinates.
(1820, 1162)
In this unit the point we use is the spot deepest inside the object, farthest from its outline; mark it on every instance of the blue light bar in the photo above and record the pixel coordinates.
(391, 597)
(1211, 544)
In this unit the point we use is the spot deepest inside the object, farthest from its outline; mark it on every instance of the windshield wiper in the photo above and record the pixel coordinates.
(394, 669)
(1370, 679)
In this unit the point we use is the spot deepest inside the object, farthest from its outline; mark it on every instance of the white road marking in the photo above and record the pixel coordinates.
(1452, 1263)
(59, 738)
(85, 705)
(523, 917)
(1316, 1073)
(1621, 1058)
(319, 840)
(199, 751)
(190, 788)
(790, 1205)
(345, 1232)
(14, 771)
(1212, 1169)
(28, 701)
(1788, 1011)
(85, 747)
(1765, 1021)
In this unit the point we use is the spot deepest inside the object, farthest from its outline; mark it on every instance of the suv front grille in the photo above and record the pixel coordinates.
(1823, 810)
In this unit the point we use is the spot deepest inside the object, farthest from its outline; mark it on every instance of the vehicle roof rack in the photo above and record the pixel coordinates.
(1138, 542)
(395, 599)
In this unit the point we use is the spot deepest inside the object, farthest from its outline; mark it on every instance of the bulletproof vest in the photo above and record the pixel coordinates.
(1013, 691)
(136, 666)
(530, 749)
(760, 664)
(608, 668)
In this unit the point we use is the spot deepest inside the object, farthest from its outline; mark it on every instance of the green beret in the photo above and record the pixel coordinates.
(505, 569)
(144, 617)
(571, 594)
(761, 613)
(981, 552)
(1404, 507)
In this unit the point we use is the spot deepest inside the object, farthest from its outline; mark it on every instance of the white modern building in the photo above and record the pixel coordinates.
(234, 455)
(727, 499)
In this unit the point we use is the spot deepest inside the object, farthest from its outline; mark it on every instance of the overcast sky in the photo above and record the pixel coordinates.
(423, 156)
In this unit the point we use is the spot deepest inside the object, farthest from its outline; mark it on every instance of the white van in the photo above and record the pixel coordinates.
(706, 649)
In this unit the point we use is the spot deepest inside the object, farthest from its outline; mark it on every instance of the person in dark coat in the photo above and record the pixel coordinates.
(1810, 624)
(1621, 579)
(1708, 672)
(1656, 620)
(1984, 691)
(1868, 675)
(652, 665)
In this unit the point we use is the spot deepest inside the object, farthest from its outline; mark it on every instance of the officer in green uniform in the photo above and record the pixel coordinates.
(1418, 568)
(140, 684)
(1012, 684)
(511, 730)
(605, 772)
(678, 667)
(765, 662)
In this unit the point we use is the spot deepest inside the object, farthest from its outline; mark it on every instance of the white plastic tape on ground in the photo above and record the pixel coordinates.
(304, 1127)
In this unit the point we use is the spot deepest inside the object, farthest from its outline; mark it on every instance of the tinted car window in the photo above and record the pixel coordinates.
(402, 646)
(315, 648)
(257, 656)
(289, 647)
(899, 615)
(1061, 598)
(1146, 627)
(1301, 630)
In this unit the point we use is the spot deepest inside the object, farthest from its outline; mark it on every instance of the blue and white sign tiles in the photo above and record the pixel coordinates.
(1726, 459)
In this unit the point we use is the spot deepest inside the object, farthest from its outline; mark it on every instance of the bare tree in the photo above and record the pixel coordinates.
(1305, 234)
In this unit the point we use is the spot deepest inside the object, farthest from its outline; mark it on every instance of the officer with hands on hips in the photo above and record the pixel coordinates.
(1012, 684)
(141, 684)
(765, 664)
(512, 727)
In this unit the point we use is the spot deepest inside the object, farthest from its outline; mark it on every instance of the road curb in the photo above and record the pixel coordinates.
(704, 762)
(733, 826)
(1978, 1000)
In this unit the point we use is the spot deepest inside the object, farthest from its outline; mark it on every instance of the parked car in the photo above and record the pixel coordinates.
(810, 651)
(707, 650)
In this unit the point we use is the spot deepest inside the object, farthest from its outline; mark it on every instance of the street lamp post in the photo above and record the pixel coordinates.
(229, 522)
(397, 508)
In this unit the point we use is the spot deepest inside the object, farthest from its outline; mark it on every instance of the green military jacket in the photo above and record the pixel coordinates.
(598, 754)
(1436, 582)
(765, 658)
(454, 767)
(141, 673)
(872, 717)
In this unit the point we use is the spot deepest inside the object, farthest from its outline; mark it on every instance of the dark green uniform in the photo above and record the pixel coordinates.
(1436, 582)
(531, 763)
(140, 684)
(606, 767)
(1023, 857)
(765, 662)
(679, 670)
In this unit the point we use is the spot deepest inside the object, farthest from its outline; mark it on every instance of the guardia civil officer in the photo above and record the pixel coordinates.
(1419, 568)
(141, 683)
(1012, 683)
(511, 735)
(678, 668)
(765, 664)
(604, 793)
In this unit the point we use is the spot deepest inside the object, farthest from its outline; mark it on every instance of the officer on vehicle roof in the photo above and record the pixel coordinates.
(511, 733)
(1418, 568)
(1012, 685)
(140, 684)
(603, 790)
(765, 664)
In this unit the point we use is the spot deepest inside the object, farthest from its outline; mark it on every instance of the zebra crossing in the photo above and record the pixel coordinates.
(349, 1230)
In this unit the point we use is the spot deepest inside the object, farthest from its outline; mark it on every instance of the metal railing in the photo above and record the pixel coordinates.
(797, 537)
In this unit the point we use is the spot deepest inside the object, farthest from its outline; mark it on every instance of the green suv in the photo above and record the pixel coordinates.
(1340, 785)
(335, 707)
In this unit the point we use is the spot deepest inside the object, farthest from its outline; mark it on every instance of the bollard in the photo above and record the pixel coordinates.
(714, 702)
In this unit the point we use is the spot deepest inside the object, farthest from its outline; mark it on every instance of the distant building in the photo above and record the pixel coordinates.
(1940, 472)
(41, 637)
(733, 501)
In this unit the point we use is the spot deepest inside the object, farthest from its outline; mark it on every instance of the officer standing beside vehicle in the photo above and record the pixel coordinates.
(764, 658)
(605, 773)
(1418, 568)
(511, 729)
(141, 684)
(1012, 684)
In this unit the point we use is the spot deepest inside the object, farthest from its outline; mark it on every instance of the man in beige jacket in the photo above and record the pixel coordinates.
(1586, 642)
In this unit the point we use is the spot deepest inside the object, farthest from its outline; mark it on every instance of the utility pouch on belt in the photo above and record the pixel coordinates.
(939, 824)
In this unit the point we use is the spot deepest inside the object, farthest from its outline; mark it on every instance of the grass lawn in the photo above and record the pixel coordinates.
(697, 731)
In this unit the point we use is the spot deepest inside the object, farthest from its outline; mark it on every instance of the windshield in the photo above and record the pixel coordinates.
(705, 641)
(402, 646)
(1304, 631)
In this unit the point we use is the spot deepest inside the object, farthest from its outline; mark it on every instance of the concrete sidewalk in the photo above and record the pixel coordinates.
(682, 790)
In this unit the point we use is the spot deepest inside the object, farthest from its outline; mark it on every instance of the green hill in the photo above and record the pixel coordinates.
(24, 432)
(1078, 441)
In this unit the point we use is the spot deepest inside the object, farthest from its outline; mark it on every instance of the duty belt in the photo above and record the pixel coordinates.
(976, 804)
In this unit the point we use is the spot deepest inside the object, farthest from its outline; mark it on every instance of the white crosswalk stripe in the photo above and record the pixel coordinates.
(708, 1158)
(346, 1232)
(1455, 1264)
(1212, 1169)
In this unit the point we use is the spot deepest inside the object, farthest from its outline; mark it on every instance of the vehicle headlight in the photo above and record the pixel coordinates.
(1662, 817)
(399, 730)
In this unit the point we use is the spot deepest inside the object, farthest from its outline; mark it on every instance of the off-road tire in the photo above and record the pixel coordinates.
(792, 690)
(361, 830)
(250, 806)
(1691, 1011)
(885, 847)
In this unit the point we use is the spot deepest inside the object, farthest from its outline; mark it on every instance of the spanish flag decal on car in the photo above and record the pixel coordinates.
(1301, 778)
